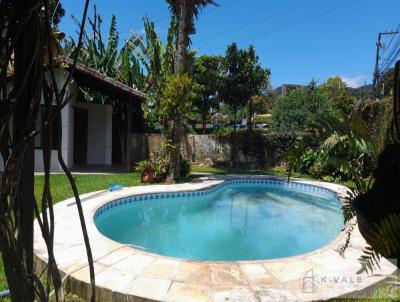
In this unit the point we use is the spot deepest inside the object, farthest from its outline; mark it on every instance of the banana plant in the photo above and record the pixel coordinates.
(115, 61)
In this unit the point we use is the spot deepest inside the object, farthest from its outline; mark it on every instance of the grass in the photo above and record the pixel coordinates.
(61, 189)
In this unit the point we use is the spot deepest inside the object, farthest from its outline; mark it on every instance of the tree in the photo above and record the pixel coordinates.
(207, 75)
(25, 44)
(56, 12)
(261, 103)
(243, 78)
(338, 92)
(257, 78)
(185, 11)
(175, 104)
(299, 110)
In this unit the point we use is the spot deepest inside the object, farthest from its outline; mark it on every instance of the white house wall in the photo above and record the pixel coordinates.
(99, 145)
(67, 127)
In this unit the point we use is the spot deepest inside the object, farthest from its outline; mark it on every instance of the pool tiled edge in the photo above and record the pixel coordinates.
(125, 273)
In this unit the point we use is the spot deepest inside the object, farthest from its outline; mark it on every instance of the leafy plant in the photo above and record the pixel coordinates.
(177, 97)
(345, 152)
(157, 164)
(185, 168)
(301, 108)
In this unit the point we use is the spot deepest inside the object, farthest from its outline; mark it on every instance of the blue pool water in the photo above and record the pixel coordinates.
(240, 220)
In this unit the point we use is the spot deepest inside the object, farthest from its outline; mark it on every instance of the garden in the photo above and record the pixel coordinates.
(318, 132)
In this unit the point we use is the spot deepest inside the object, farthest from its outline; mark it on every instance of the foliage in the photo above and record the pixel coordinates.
(206, 74)
(378, 210)
(157, 164)
(177, 97)
(185, 168)
(109, 59)
(344, 151)
(57, 11)
(243, 78)
(298, 111)
(268, 148)
(185, 13)
(337, 91)
(378, 115)
(313, 163)
(158, 61)
(261, 104)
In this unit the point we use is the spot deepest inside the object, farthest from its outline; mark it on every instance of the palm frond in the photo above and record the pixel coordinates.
(386, 241)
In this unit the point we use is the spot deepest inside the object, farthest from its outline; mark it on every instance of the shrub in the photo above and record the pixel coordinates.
(185, 168)
(378, 115)
(299, 110)
(157, 164)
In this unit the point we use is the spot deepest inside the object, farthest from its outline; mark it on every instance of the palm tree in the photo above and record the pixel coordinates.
(185, 11)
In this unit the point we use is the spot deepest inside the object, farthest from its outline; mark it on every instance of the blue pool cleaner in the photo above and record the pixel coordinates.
(111, 188)
(115, 187)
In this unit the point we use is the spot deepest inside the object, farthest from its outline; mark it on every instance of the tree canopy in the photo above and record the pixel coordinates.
(299, 110)
(243, 77)
(338, 92)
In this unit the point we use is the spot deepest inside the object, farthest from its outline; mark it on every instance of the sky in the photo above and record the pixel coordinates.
(298, 40)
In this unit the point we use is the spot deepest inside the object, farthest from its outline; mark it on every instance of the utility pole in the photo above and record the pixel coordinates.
(376, 71)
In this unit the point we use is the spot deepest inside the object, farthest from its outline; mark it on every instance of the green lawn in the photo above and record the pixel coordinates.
(60, 187)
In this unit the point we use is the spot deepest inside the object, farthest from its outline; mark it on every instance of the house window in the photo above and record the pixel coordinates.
(55, 140)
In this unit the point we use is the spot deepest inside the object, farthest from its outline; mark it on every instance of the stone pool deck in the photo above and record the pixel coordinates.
(125, 273)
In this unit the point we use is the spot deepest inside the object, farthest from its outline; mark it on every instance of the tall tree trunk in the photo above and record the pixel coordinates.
(233, 140)
(182, 38)
(175, 156)
(176, 125)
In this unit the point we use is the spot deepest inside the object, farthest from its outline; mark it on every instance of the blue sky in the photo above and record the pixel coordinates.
(299, 40)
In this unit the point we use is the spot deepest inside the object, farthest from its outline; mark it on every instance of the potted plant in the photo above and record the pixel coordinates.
(147, 171)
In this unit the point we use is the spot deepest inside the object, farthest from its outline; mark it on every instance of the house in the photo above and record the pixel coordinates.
(89, 137)
(286, 88)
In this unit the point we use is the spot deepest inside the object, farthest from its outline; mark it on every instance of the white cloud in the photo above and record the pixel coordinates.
(355, 81)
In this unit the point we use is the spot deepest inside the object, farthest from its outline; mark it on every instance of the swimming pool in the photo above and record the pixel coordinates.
(241, 219)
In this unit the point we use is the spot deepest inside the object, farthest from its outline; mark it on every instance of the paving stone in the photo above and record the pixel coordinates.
(290, 270)
(226, 274)
(162, 269)
(257, 274)
(188, 292)
(232, 294)
(150, 288)
(273, 293)
(193, 273)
